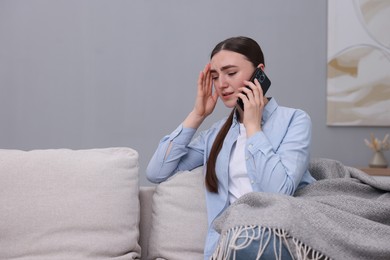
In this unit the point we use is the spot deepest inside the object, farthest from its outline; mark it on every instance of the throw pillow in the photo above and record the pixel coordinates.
(69, 204)
(179, 220)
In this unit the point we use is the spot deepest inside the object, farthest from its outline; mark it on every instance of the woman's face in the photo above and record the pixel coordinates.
(229, 70)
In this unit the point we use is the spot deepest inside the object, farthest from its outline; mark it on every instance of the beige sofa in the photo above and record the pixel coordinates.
(87, 204)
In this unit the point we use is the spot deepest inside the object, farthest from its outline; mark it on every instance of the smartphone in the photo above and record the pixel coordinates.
(264, 81)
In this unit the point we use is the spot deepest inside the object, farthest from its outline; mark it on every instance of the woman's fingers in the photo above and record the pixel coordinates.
(207, 80)
(200, 82)
(258, 93)
(253, 93)
(254, 87)
(206, 99)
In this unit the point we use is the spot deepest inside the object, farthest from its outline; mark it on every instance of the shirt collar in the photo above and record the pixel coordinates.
(269, 109)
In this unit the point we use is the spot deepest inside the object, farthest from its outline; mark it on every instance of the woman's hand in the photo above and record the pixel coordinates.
(254, 103)
(205, 100)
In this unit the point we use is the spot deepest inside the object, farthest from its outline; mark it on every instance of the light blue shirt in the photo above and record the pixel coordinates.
(277, 158)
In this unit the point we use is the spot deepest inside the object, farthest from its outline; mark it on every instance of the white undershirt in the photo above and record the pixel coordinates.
(239, 183)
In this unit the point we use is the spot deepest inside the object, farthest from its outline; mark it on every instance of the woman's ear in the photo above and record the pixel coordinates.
(261, 65)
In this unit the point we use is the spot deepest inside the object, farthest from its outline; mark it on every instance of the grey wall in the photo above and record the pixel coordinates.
(86, 74)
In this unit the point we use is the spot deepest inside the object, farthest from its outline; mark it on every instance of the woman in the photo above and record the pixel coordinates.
(263, 148)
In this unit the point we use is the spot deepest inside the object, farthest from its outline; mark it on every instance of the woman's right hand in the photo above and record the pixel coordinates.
(205, 100)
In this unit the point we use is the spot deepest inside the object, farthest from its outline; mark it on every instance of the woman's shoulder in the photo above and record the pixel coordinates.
(273, 109)
(293, 112)
(289, 116)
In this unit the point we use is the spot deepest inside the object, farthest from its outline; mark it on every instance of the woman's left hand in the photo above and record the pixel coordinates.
(254, 103)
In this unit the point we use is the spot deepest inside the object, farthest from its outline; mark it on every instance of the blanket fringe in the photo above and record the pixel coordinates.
(240, 237)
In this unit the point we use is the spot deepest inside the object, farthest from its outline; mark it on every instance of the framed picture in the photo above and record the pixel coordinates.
(358, 78)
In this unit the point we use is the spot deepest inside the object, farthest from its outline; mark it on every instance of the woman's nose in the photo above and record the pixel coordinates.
(222, 82)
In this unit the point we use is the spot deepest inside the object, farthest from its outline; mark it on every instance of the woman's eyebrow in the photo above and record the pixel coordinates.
(228, 67)
(224, 68)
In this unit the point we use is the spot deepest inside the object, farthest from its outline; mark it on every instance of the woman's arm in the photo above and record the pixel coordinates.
(279, 157)
(174, 152)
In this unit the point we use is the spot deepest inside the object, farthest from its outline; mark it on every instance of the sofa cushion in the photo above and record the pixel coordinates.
(179, 220)
(69, 204)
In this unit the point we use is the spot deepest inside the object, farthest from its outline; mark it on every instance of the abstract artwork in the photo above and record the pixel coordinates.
(358, 79)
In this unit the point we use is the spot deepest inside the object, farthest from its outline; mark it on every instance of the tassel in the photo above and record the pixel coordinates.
(241, 237)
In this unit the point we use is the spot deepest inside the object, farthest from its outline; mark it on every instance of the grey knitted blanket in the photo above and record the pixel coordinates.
(344, 215)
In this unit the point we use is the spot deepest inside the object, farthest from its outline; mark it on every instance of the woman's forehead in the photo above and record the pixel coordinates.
(227, 59)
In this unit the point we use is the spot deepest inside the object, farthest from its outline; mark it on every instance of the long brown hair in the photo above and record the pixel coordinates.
(252, 51)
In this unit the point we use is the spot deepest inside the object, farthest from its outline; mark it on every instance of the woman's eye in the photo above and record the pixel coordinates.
(231, 73)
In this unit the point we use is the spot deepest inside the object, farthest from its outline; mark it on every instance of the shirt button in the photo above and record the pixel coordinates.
(251, 145)
(252, 181)
(247, 158)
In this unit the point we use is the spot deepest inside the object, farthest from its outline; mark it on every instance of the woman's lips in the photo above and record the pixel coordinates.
(227, 95)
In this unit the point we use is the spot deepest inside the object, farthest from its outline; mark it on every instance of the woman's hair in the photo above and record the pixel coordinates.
(252, 51)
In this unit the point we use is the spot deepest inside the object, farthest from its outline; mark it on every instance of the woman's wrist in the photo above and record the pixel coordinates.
(193, 120)
(250, 131)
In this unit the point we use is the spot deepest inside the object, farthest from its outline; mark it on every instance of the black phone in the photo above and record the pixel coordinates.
(264, 81)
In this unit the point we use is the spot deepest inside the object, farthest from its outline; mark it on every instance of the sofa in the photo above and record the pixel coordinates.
(88, 204)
